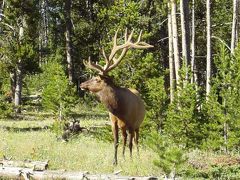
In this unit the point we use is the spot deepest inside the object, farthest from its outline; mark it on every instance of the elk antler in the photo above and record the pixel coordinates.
(112, 61)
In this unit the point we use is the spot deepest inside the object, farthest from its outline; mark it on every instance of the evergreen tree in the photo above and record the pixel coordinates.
(183, 122)
(58, 95)
(19, 37)
(222, 112)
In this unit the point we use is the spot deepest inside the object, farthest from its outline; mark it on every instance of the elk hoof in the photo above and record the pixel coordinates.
(115, 162)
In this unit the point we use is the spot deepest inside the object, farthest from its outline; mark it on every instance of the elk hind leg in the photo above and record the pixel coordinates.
(131, 132)
(136, 140)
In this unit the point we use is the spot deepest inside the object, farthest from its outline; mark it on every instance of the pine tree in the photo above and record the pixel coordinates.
(58, 96)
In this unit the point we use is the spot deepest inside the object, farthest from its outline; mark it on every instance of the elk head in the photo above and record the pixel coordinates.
(97, 83)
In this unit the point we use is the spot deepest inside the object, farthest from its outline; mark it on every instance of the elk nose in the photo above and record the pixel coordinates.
(82, 86)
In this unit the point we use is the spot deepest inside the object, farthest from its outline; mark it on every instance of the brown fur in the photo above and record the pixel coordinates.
(126, 108)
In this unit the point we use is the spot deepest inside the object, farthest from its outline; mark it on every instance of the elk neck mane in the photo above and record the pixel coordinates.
(109, 95)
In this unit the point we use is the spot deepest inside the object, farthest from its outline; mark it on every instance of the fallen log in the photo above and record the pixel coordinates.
(34, 165)
(27, 173)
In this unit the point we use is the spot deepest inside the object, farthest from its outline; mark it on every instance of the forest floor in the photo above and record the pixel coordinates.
(32, 136)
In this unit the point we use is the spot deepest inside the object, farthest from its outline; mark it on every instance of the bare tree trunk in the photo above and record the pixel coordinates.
(234, 26)
(175, 40)
(170, 45)
(209, 53)
(18, 89)
(43, 32)
(193, 44)
(184, 9)
(68, 36)
(13, 84)
(19, 74)
(1, 10)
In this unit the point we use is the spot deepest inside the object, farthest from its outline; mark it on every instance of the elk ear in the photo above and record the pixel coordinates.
(102, 76)
(98, 78)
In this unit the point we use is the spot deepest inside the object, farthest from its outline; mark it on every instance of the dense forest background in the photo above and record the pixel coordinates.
(190, 80)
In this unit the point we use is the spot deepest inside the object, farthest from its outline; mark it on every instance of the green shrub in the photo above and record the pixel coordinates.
(170, 156)
(6, 108)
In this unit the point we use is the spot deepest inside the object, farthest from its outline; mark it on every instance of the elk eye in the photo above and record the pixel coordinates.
(97, 80)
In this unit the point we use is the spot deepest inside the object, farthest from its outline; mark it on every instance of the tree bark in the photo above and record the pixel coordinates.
(1, 13)
(43, 32)
(170, 49)
(209, 53)
(35, 165)
(234, 26)
(175, 40)
(193, 44)
(18, 89)
(27, 173)
(184, 9)
(19, 74)
(1, 10)
(13, 84)
(68, 37)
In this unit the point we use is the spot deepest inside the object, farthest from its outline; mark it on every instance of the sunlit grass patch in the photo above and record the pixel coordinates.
(82, 153)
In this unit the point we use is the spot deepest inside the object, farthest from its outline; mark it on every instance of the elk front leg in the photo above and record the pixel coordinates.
(124, 135)
(115, 135)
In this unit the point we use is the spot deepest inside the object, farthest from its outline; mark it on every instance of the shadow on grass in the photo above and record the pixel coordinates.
(103, 133)
(88, 115)
(24, 129)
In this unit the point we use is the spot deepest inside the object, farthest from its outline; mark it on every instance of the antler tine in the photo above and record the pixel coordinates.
(115, 38)
(106, 60)
(125, 35)
(104, 55)
(141, 45)
(130, 36)
(89, 64)
(139, 37)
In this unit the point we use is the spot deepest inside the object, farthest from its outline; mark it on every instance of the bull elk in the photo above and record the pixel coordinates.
(126, 108)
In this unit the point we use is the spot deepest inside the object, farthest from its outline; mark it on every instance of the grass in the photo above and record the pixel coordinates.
(82, 153)
(92, 152)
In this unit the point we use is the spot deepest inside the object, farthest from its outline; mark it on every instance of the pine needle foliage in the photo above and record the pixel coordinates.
(58, 95)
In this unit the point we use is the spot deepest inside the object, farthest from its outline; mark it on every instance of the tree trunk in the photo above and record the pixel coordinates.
(234, 26)
(184, 9)
(175, 40)
(170, 49)
(1, 10)
(68, 36)
(13, 84)
(209, 53)
(43, 32)
(193, 44)
(1, 13)
(18, 89)
(19, 74)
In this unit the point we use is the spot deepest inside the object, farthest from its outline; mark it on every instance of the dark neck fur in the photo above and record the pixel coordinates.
(108, 96)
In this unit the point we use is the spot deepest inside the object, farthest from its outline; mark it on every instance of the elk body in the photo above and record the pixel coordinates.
(126, 108)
